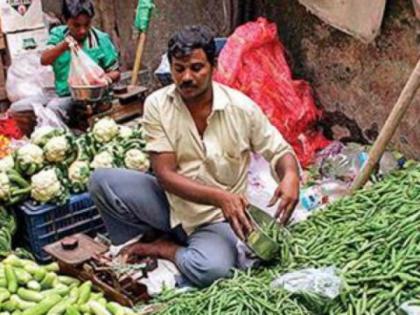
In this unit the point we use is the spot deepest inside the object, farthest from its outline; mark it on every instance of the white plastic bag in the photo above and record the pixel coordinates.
(316, 288)
(26, 77)
(410, 309)
(84, 71)
(46, 117)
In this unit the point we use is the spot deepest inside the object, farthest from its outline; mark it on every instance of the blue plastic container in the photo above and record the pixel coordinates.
(46, 224)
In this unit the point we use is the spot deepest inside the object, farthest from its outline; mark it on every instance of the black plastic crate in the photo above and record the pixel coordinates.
(46, 224)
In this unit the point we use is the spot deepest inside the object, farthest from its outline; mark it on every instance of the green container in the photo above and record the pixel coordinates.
(259, 242)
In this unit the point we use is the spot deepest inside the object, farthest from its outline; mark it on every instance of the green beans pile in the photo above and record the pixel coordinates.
(372, 238)
(244, 294)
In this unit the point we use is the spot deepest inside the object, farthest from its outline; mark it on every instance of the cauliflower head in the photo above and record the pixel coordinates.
(46, 186)
(104, 159)
(7, 163)
(105, 130)
(57, 148)
(4, 187)
(41, 135)
(79, 172)
(29, 159)
(125, 132)
(137, 160)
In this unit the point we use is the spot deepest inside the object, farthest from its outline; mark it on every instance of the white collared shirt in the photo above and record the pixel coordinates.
(236, 128)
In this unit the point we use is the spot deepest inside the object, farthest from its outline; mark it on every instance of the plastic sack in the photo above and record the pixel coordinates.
(253, 61)
(315, 288)
(84, 71)
(26, 77)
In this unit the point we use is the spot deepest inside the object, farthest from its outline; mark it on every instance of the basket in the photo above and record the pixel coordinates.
(43, 225)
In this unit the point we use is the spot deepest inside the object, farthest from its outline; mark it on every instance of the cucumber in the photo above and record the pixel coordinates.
(37, 272)
(44, 306)
(29, 295)
(98, 309)
(68, 280)
(60, 290)
(34, 286)
(115, 308)
(53, 267)
(14, 261)
(4, 295)
(21, 304)
(11, 279)
(72, 310)
(9, 306)
(84, 292)
(61, 307)
(22, 276)
(48, 281)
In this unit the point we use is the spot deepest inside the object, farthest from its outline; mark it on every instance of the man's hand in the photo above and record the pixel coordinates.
(233, 207)
(288, 191)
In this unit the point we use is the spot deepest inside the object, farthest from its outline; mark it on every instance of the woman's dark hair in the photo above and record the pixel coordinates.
(73, 8)
(182, 43)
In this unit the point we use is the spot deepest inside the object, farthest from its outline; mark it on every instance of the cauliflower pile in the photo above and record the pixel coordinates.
(56, 162)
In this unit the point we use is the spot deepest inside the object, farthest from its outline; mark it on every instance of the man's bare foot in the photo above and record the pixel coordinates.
(161, 248)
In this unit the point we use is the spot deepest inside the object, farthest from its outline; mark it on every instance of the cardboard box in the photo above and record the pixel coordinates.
(27, 42)
(21, 15)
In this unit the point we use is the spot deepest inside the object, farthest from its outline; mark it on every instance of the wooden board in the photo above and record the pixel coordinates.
(123, 113)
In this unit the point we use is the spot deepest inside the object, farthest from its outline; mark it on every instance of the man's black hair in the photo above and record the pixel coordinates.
(73, 8)
(182, 43)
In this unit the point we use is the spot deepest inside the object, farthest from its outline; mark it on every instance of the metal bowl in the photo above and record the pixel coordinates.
(259, 242)
(88, 93)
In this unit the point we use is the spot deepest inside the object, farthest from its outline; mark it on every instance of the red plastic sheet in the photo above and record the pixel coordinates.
(253, 61)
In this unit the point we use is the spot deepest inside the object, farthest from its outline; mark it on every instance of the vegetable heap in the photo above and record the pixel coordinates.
(29, 289)
(372, 238)
(56, 163)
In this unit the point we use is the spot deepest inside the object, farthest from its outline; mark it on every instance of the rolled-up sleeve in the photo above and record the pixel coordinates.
(156, 138)
(268, 141)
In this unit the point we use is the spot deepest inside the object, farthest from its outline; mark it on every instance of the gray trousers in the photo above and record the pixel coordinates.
(61, 106)
(133, 203)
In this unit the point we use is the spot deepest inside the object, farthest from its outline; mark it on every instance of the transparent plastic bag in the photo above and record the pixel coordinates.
(315, 288)
(46, 117)
(409, 308)
(84, 71)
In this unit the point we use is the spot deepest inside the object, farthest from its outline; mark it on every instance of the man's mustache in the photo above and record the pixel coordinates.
(187, 84)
